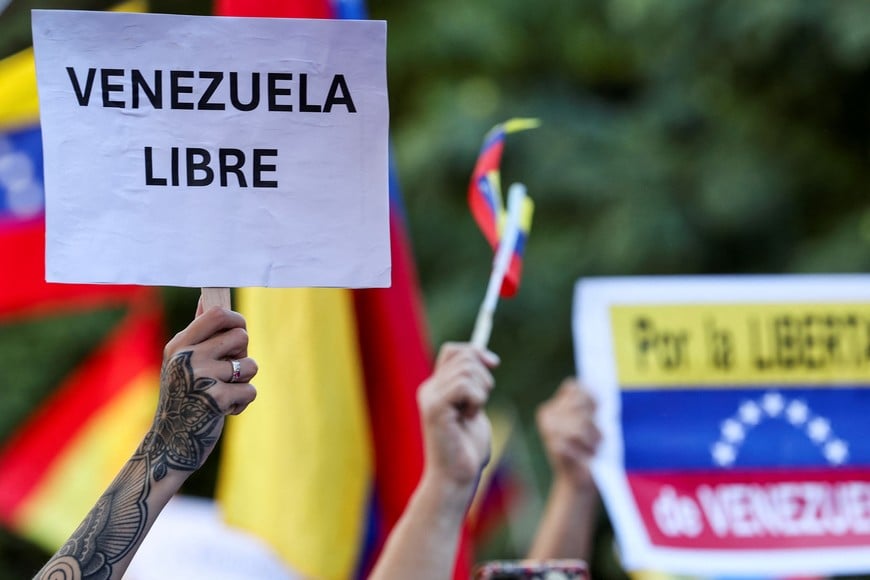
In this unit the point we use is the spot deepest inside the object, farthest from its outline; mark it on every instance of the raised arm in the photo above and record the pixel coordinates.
(205, 376)
(457, 435)
(566, 423)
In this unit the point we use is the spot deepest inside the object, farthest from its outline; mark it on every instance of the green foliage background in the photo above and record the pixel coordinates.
(678, 137)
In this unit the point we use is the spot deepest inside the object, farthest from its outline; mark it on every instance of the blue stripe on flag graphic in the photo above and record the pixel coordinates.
(725, 428)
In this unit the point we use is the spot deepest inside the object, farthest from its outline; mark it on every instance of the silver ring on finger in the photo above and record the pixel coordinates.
(237, 371)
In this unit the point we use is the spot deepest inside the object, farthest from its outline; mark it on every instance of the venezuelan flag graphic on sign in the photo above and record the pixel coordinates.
(739, 437)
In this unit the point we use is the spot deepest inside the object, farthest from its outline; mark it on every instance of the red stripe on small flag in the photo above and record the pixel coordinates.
(484, 214)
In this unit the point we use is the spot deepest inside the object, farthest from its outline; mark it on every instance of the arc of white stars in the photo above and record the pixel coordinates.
(750, 413)
(724, 454)
(797, 412)
(836, 451)
(733, 430)
(772, 403)
(818, 429)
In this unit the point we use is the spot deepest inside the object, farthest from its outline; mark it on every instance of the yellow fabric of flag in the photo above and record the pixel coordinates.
(88, 464)
(19, 104)
(297, 464)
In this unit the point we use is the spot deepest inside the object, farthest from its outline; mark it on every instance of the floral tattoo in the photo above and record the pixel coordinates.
(187, 418)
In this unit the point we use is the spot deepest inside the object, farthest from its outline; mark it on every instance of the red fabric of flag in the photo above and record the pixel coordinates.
(25, 292)
(274, 8)
(133, 348)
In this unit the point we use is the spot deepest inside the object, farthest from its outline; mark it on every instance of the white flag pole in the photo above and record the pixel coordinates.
(501, 263)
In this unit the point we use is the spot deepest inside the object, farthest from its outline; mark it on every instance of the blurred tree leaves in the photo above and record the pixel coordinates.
(679, 137)
(38, 354)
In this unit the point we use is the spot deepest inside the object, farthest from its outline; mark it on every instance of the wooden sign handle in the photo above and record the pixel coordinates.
(216, 297)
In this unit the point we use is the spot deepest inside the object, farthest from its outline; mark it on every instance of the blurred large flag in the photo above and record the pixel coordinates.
(22, 228)
(325, 461)
(57, 462)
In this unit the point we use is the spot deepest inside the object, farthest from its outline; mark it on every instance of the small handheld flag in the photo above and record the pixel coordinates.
(485, 198)
(504, 256)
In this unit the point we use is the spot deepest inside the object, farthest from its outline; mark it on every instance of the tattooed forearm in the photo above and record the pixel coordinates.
(185, 428)
(108, 533)
(187, 421)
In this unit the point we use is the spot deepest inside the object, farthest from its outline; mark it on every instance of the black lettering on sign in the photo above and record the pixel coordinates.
(303, 96)
(274, 91)
(332, 99)
(235, 168)
(149, 170)
(255, 92)
(665, 348)
(109, 87)
(809, 341)
(154, 95)
(82, 96)
(206, 90)
(260, 167)
(177, 89)
(205, 103)
(199, 166)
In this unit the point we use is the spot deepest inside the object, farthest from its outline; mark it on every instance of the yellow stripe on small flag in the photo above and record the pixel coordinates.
(520, 124)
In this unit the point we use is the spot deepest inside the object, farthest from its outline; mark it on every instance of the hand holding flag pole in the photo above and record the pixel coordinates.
(501, 263)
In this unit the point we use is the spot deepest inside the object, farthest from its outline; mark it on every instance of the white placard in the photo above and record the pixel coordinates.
(210, 151)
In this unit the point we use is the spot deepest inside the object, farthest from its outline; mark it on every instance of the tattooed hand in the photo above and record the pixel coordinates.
(197, 391)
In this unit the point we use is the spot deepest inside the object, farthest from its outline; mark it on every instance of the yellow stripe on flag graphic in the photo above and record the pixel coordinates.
(741, 344)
